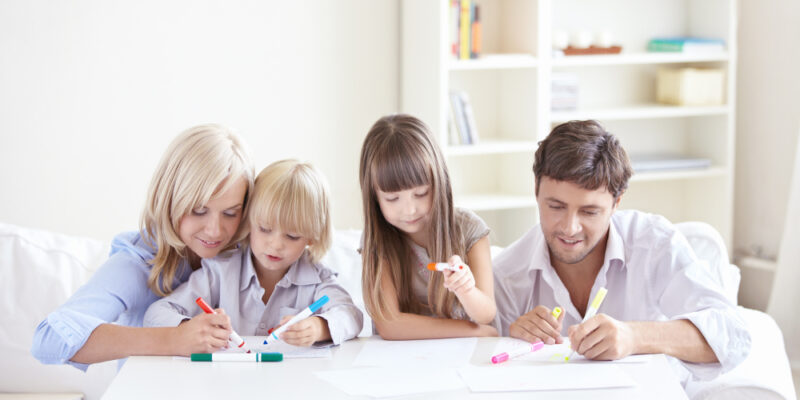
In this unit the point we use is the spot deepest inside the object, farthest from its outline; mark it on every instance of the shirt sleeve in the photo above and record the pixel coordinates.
(118, 286)
(473, 228)
(344, 319)
(180, 305)
(690, 292)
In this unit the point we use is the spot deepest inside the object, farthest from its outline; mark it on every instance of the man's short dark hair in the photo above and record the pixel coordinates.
(584, 153)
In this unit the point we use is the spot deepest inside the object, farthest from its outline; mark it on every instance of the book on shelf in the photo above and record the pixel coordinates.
(563, 91)
(686, 44)
(462, 118)
(667, 162)
(465, 29)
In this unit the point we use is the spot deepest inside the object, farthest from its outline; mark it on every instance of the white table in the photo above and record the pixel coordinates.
(169, 378)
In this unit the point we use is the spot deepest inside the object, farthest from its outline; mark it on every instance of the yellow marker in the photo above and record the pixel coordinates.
(598, 299)
(556, 312)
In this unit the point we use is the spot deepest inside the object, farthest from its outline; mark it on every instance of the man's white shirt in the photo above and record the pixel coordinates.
(651, 274)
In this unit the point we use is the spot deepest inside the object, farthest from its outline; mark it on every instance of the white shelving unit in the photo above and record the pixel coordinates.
(509, 89)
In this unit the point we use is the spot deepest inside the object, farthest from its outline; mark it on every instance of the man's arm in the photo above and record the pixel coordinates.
(604, 338)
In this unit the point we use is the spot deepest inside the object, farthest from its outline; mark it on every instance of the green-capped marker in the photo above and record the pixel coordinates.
(240, 357)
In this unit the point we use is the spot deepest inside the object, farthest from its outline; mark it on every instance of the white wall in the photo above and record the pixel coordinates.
(92, 91)
(768, 110)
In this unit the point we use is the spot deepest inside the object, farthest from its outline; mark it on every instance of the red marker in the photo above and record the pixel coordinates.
(235, 338)
(443, 267)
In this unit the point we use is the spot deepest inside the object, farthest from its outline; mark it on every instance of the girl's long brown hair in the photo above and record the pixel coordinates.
(399, 153)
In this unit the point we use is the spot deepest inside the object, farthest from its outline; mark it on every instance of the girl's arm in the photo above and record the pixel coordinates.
(405, 326)
(476, 295)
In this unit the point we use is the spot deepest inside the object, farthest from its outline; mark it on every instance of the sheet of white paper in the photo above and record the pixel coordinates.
(256, 344)
(516, 378)
(557, 353)
(392, 381)
(438, 352)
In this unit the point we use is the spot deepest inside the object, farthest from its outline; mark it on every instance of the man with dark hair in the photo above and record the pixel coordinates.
(661, 297)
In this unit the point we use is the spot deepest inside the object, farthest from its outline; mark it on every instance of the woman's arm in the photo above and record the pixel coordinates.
(111, 342)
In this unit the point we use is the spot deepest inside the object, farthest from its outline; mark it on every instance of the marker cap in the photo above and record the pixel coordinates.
(201, 356)
(319, 303)
(499, 358)
(268, 357)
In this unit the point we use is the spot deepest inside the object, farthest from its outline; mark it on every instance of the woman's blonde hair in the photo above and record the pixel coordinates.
(202, 162)
(293, 196)
(399, 153)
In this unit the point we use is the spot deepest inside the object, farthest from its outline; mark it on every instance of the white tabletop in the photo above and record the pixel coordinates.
(170, 378)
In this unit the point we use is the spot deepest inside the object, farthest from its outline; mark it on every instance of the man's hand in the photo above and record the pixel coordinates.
(603, 338)
(538, 324)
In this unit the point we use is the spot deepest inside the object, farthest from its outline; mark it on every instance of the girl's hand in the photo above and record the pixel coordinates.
(304, 333)
(460, 281)
(205, 333)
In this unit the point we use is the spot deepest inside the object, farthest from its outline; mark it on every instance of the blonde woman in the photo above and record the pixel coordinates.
(410, 222)
(193, 211)
(281, 274)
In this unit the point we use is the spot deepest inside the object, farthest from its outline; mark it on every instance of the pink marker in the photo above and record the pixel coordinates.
(517, 352)
(235, 338)
(443, 267)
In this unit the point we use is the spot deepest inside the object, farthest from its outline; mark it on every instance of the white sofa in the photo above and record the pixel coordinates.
(39, 270)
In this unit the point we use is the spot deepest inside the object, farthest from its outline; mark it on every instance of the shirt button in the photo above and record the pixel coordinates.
(262, 325)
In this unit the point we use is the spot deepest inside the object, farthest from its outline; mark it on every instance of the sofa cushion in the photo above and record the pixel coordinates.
(708, 244)
(39, 270)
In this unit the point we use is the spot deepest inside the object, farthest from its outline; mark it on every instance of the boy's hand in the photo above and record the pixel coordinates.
(205, 333)
(460, 281)
(306, 332)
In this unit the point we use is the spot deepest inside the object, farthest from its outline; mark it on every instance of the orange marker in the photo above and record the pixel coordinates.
(235, 338)
(443, 267)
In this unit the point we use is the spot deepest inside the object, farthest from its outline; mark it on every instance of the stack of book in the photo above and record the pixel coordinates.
(461, 124)
(686, 44)
(465, 29)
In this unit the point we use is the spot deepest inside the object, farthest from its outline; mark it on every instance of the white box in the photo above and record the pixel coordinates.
(691, 86)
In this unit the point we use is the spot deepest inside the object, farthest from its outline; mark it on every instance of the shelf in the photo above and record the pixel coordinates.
(492, 147)
(494, 61)
(643, 111)
(489, 202)
(679, 174)
(639, 58)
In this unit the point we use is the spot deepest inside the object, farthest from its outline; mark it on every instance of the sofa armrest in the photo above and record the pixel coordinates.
(764, 374)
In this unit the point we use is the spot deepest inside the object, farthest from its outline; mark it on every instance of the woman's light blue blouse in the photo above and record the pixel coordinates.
(117, 292)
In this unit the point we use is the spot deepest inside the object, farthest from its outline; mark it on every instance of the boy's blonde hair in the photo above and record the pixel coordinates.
(399, 153)
(293, 196)
(200, 164)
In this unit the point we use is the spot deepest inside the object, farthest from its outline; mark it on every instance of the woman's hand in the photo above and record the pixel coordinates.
(460, 281)
(205, 333)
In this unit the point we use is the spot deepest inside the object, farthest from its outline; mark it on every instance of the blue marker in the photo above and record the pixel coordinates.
(275, 335)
